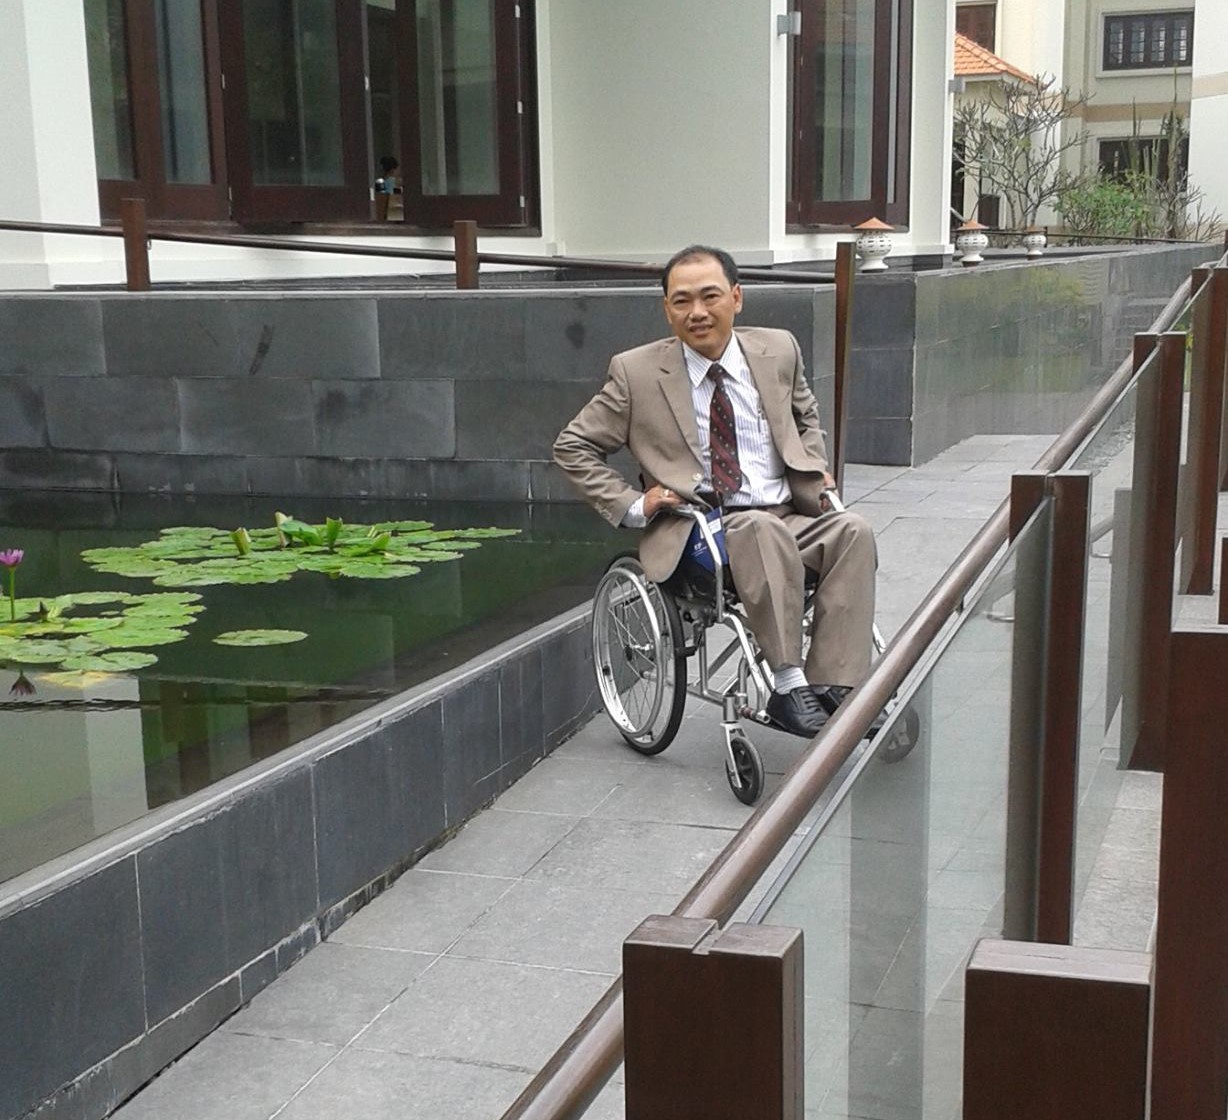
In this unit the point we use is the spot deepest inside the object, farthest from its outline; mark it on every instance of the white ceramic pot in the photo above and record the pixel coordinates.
(872, 247)
(1034, 241)
(970, 243)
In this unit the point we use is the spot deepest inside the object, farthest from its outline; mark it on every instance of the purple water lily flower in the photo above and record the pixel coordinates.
(10, 558)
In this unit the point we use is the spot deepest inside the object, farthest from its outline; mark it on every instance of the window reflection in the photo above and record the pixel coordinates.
(293, 92)
(844, 100)
(456, 90)
(184, 100)
(110, 97)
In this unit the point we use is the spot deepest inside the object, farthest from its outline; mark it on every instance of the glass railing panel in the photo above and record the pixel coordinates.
(908, 869)
(1109, 653)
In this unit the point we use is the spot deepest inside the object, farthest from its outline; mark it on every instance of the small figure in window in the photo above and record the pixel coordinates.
(386, 186)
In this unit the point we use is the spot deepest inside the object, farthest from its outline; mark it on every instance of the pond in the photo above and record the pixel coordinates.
(84, 753)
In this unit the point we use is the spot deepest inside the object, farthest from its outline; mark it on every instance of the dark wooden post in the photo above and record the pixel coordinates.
(1223, 582)
(1063, 702)
(713, 1021)
(846, 269)
(1157, 454)
(1052, 1033)
(136, 243)
(1027, 664)
(1210, 329)
(1189, 1055)
(465, 237)
(1046, 700)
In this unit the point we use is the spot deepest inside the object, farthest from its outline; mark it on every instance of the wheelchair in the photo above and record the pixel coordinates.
(643, 634)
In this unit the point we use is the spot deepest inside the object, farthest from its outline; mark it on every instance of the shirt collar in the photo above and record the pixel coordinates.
(697, 365)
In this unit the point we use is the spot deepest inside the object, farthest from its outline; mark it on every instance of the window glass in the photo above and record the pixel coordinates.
(457, 97)
(844, 100)
(293, 92)
(110, 96)
(976, 21)
(1148, 40)
(184, 100)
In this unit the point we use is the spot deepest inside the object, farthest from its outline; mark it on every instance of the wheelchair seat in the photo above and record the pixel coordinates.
(643, 634)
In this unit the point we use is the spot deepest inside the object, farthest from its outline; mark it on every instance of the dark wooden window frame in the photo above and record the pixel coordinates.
(516, 202)
(1153, 21)
(265, 203)
(803, 210)
(163, 199)
(978, 22)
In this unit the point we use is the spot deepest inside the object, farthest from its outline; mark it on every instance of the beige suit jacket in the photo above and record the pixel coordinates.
(646, 406)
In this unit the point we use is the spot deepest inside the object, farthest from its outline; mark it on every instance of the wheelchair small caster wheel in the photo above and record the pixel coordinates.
(744, 769)
(902, 737)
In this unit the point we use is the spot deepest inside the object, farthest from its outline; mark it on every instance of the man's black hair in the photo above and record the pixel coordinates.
(388, 164)
(692, 252)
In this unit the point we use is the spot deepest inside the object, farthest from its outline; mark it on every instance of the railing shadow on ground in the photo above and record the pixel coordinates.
(1052, 669)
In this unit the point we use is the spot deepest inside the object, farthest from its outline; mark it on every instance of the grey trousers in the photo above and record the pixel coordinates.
(769, 552)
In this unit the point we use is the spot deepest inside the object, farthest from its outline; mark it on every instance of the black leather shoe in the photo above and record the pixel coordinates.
(799, 712)
(833, 695)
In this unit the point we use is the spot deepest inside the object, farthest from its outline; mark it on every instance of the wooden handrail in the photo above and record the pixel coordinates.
(644, 269)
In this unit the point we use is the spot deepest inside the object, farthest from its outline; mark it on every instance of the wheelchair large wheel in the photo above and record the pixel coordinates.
(640, 674)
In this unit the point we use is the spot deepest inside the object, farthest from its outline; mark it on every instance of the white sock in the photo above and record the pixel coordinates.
(787, 678)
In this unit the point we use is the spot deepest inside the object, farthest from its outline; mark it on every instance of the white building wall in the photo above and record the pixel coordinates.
(659, 122)
(1209, 104)
(662, 122)
(1031, 35)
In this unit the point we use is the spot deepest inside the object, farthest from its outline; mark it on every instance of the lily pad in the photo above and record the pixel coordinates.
(114, 661)
(259, 637)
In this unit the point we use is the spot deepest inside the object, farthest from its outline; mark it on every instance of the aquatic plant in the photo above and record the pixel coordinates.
(10, 558)
(116, 637)
(193, 556)
(259, 637)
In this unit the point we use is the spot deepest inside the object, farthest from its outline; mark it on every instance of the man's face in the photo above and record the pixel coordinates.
(701, 306)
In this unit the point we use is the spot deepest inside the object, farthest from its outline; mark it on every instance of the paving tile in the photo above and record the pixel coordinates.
(330, 995)
(424, 911)
(230, 1077)
(633, 855)
(388, 1086)
(680, 794)
(559, 926)
(469, 1010)
(498, 842)
(570, 784)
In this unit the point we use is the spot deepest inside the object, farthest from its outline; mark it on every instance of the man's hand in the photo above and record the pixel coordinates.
(829, 483)
(658, 498)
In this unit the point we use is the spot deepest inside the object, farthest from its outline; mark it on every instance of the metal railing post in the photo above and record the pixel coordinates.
(1201, 491)
(136, 243)
(1189, 1047)
(465, 237)
(845, 271)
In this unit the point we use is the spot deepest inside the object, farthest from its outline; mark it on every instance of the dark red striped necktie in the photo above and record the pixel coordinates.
(723, 437)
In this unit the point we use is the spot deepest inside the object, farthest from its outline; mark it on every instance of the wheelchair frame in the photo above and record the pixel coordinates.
(643, 633)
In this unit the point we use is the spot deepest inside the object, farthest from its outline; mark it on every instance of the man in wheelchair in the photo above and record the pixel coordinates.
(720, 416)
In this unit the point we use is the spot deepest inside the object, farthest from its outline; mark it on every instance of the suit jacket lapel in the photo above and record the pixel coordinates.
(676, 385)
(771, 392)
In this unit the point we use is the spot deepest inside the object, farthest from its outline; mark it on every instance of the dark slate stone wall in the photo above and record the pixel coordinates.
(1022, 347)
(456, 395)
(104, 984)
(417, 394)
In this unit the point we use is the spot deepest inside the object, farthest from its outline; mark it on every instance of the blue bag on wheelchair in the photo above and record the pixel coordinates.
(697, 550)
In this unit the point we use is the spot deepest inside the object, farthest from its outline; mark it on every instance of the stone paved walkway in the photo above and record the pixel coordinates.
(443, 996)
